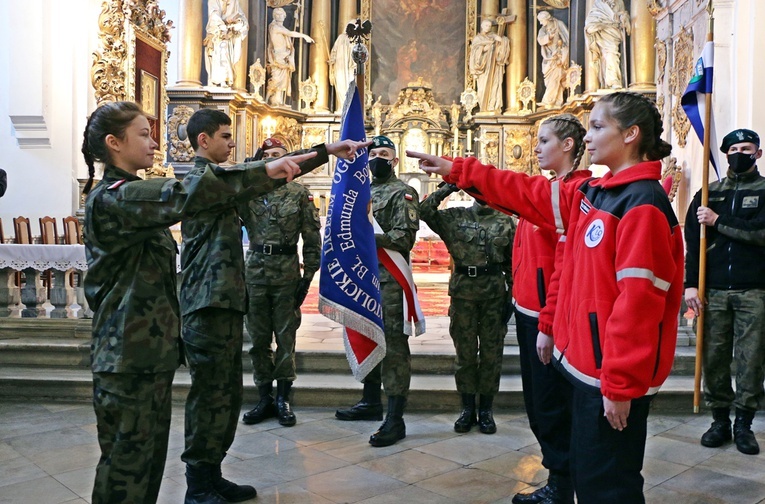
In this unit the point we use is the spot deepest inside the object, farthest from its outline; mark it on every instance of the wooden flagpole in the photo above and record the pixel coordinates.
(703, 234)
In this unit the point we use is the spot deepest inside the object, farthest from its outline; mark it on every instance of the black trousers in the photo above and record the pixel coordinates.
(547, 397)
(606, 463)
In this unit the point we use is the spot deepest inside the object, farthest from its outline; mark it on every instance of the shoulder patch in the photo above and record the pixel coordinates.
(310, 197)
(408, 197)
(117, 184)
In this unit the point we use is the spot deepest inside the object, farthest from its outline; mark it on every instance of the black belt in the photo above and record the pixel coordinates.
(268, 249)
(476, 271)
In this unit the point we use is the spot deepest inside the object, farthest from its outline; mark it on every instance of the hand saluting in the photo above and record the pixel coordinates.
(431, 164)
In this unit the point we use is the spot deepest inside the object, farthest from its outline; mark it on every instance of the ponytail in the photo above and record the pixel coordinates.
(566, 126)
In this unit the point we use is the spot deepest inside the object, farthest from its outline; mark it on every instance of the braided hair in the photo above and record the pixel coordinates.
(111, 118)
(634, 109)
(568, 126)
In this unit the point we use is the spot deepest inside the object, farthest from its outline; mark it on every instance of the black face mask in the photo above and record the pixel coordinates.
(740, 162)
(380, 167)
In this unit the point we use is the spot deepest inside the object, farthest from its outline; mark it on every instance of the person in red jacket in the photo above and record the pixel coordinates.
(617, 293)
(546, 394)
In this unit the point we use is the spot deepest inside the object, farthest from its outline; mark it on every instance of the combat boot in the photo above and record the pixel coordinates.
(230, 490)
(719, 433)
(199, 482)
(486, 422)
(265, 407)
(467, 417)
(393, 428)
(742, 432)
(558, 490)
(283, 408)
(368, 408)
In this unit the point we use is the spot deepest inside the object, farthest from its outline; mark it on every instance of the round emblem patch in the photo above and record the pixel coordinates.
(594, 233)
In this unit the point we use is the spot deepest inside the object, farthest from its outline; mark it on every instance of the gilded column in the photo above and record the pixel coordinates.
(489, 8)
(643, 55)
(518, 68)
(345, 13)
(190, 43)
(591, 82)
(321, 18)
(240, 72)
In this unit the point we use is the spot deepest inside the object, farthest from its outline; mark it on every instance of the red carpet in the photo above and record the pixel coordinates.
(433, 297)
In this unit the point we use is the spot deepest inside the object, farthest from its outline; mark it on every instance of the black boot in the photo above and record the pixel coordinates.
(265, 407)
(742, 432)
(230, 490)
(467, 417)
(485, 415)
(558, 490)
(393, 428)
(368, 408)
(719, 433)
(283, 408)
(199, 481)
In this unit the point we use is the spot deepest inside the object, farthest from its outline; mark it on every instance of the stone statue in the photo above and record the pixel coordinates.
(280, 58)
(606, 28)
(489, 54)
(342, 69)
(454, 114)
(553, 46)
(226, 30)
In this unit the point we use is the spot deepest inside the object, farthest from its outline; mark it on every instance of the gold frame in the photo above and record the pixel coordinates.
(114, 72)
(149, 104)
(471, 8)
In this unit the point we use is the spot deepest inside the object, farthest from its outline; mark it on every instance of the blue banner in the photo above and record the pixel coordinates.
(349, 286)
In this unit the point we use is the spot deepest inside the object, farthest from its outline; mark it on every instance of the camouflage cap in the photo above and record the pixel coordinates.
(738, 136)
(383, 141)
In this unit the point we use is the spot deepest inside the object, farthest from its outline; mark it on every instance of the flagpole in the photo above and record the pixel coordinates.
(360, 56)
(703, 234)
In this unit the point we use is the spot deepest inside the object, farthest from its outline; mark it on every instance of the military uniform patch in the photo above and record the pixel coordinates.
(412, 214)
(408, 197)
(117, 184)
(750, 202)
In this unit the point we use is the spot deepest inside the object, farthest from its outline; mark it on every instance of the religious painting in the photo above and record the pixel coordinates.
(148, 94)
(417, 39)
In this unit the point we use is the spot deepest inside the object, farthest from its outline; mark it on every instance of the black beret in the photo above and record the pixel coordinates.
(738, 136)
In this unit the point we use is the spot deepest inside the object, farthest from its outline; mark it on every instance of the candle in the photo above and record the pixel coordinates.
(469, 140)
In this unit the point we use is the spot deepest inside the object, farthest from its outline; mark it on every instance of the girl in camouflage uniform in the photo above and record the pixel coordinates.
(131, 287)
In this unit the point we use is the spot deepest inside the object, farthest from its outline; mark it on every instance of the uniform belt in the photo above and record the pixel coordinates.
(268, 249)
(475, 271)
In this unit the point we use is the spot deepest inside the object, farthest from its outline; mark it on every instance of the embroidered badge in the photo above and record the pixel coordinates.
(408, 197)
(412, 214)
(584, 207)
(310, 197)
(594, 233)
(117, 184)
(740, 135)
(750, 202)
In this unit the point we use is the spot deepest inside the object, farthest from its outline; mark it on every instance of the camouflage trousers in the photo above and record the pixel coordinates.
(133, 417)
(395, 370)
(272, 315)
(213, 339)
(734, 331)
(478, 333)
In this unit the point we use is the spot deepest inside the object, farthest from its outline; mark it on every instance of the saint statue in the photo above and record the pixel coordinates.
(377, 111)
(280, 58)
(342, 69)
(553, 46)
(489, 54)
(606, 28)
(226, 29)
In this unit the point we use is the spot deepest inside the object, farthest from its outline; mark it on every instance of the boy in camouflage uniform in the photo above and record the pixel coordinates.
(213, 303)
(734, 322)
(479, 240)
(395, 206)
(275, 222)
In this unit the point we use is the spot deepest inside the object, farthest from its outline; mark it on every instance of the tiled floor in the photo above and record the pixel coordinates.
(48, 452)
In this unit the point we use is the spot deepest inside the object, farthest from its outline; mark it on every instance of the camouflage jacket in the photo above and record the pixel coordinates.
(212, 258)
(131, 280)
(280, 218)
(396, 208)
(475, 236)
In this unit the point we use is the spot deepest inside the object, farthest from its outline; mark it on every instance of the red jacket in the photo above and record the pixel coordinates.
(621, 283)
